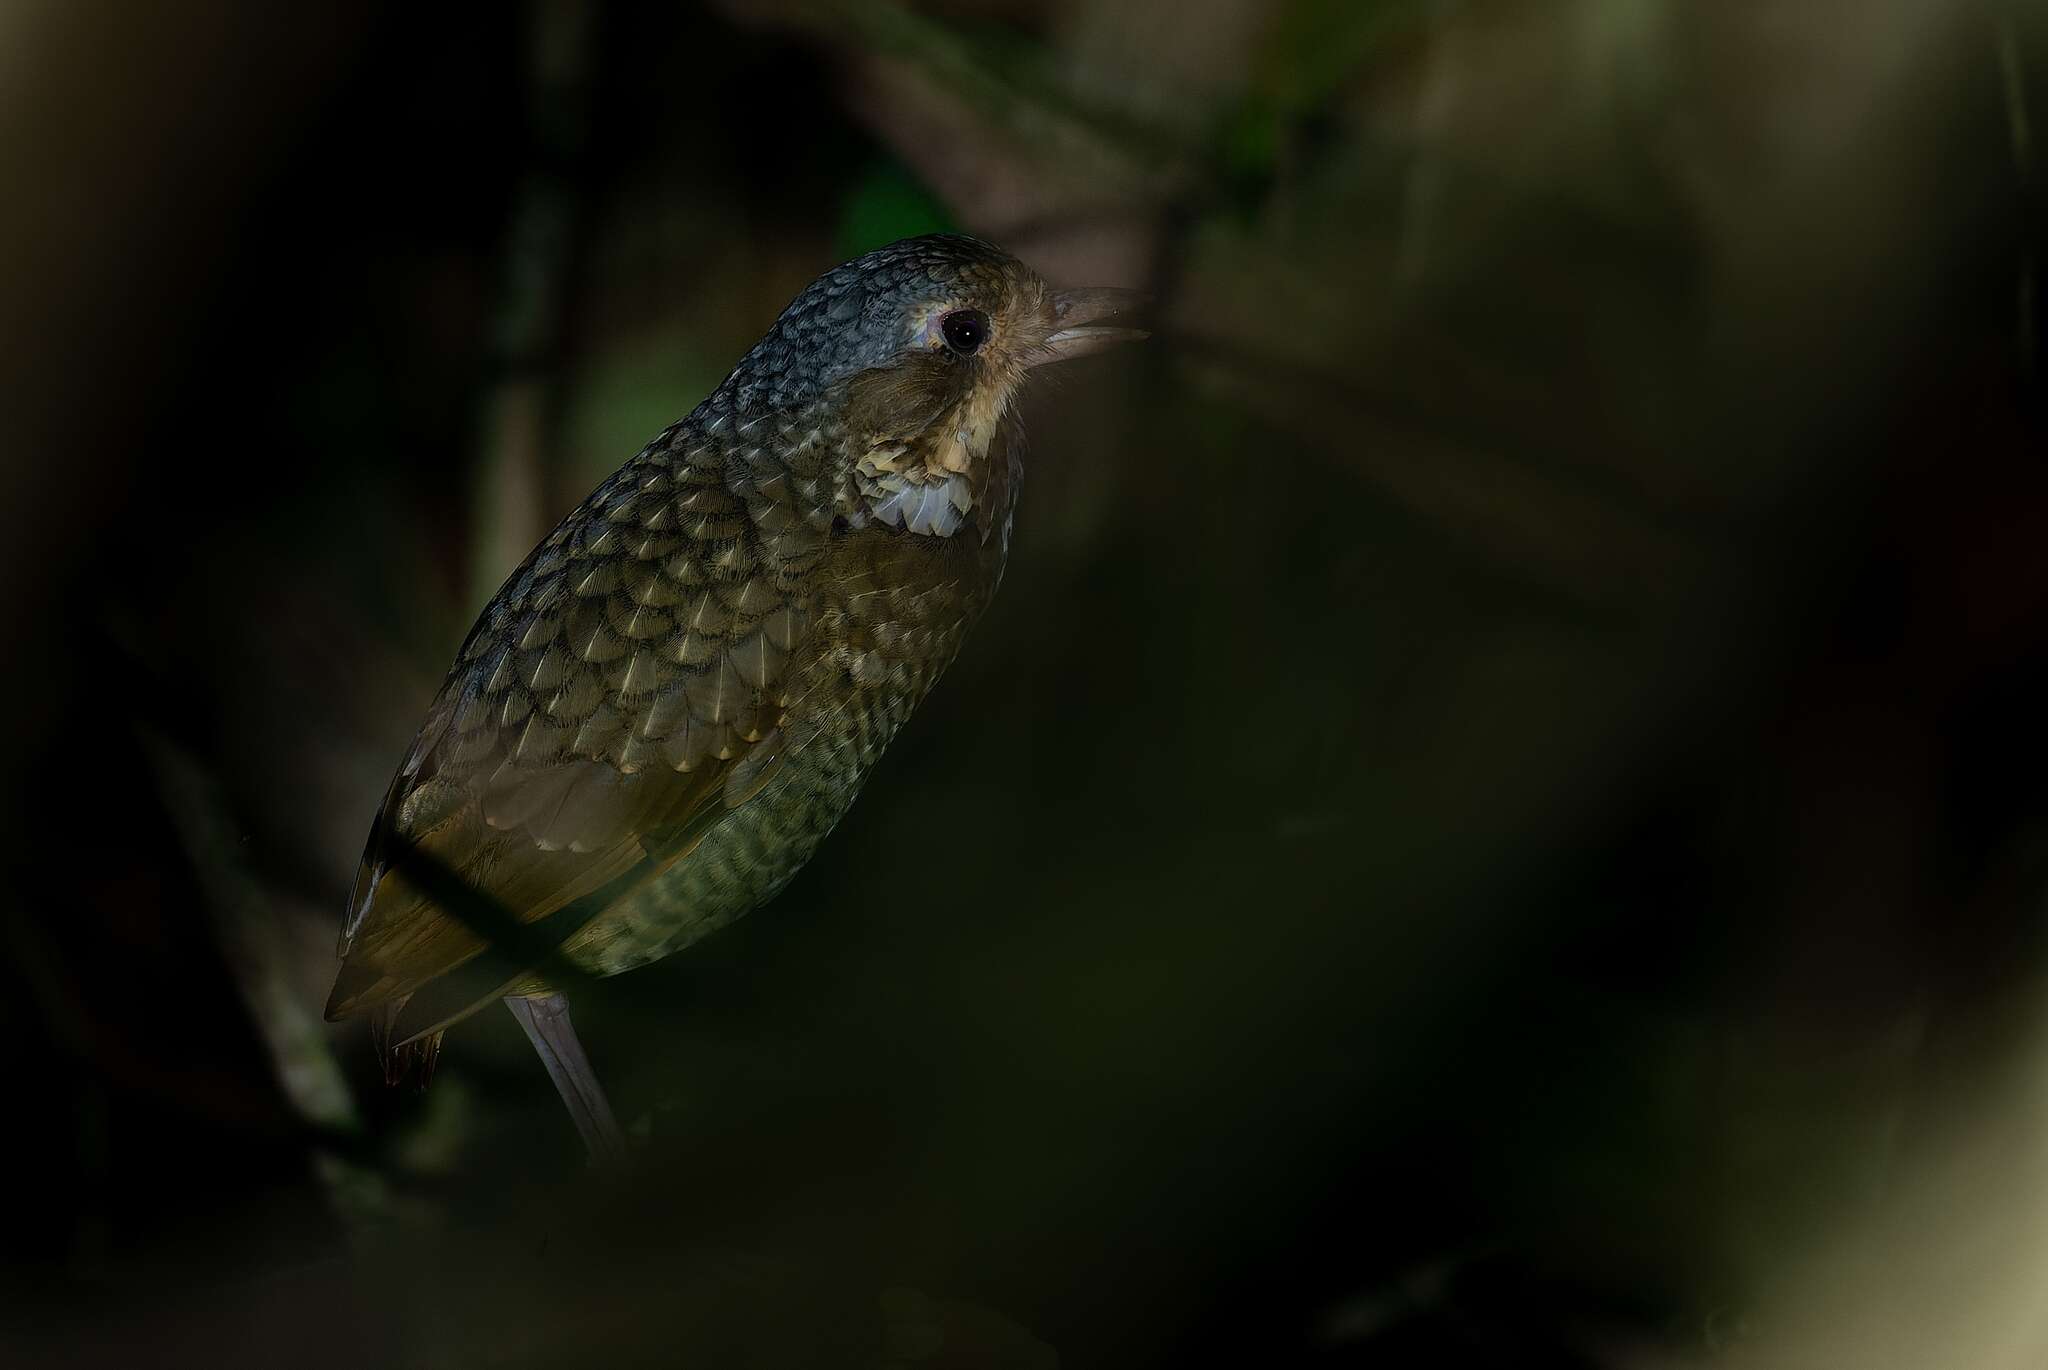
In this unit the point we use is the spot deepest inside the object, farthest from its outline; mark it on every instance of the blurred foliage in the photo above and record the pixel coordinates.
(886, 204)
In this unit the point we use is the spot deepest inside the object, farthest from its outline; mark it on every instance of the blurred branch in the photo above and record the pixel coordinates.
(1316, 47)
(1087, 145)
(511, 948)
(2012, 69)
(1487, 489)
(251, 940)
(1438, 90)
(1066, 172)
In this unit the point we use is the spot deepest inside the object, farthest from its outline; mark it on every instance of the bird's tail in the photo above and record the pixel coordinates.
(416, 1057)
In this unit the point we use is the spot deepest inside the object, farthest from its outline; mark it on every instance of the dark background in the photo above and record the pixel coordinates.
(1501, 817)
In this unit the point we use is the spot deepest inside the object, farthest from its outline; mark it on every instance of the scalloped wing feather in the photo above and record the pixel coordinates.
(638, 657)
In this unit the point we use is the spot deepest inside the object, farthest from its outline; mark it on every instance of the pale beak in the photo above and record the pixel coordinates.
(1079, 328)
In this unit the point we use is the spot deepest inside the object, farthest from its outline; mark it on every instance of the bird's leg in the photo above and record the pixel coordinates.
(546, 1020)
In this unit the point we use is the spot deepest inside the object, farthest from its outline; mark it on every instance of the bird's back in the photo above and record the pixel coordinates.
(664, 710)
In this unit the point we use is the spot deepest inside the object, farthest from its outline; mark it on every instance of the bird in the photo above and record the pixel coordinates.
(666, 708)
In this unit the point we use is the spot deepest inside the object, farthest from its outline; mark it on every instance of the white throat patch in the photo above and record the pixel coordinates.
(935, 508)
(932, 493)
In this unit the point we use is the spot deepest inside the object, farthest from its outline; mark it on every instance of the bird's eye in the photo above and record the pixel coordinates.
(965, 330)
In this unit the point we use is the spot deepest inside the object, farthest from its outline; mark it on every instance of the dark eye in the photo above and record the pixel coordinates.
(965, 330)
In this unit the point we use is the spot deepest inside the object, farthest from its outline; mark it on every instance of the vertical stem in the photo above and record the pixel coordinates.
(516, 496)
(2026, 338)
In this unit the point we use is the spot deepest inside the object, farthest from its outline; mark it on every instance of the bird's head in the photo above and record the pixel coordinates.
(922, 346)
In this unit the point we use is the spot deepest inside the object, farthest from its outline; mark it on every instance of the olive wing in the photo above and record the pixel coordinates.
(598, 709)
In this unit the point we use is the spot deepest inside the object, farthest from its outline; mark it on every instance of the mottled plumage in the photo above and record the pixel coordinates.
(676, 697)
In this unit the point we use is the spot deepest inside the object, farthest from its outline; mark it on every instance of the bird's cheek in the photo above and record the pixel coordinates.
(972, 427)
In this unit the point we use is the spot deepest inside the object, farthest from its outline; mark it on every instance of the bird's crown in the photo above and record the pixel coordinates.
(861, 314)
